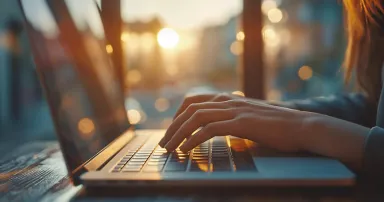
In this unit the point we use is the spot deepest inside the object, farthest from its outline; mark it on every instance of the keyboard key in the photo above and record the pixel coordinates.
(138, 160)
(175, 167)
(202, 161)
(133, 169)
(153, 168)
(160, 153)
(200, 152)
(178, 161)
(141, 155)
(221, 166)
(179, 157)
(199, 168)
(157, 160)
(135, 163)
(156, 163)
(200, 157)
(144, 153)
(159, 157)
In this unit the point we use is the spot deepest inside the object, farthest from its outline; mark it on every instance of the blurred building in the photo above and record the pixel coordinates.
(217, 62)
(22, 106)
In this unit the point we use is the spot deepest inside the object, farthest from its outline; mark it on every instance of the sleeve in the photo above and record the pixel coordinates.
(352, 107)
(373, 164)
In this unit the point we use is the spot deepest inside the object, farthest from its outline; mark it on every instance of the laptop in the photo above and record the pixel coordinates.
(101, 148)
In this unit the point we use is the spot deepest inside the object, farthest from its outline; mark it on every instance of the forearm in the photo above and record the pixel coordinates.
(334, 138)
(352, 107)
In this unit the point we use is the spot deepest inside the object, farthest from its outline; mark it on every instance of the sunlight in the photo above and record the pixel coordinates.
(168, 38)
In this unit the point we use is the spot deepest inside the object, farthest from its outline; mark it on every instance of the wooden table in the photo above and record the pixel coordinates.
(36, 172)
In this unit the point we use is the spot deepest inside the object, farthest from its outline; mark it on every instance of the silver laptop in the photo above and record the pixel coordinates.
(99, 145)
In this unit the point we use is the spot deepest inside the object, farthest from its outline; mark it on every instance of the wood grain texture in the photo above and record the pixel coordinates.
(37, 172)
(29, 171)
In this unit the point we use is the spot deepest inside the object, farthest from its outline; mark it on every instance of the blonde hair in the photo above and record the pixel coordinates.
(365, 27)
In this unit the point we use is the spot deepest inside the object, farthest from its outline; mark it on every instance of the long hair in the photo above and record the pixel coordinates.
(365, 50)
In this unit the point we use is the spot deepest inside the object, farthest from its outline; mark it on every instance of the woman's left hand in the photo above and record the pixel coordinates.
(276, 127)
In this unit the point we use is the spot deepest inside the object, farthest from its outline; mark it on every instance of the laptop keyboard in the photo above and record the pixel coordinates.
(215, 155)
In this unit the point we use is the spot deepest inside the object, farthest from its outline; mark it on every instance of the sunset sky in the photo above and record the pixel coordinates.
(182, 14)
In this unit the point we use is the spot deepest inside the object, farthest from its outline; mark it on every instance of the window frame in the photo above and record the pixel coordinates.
(253, 79)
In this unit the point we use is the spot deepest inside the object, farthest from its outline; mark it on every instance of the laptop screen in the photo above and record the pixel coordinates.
(73, 62)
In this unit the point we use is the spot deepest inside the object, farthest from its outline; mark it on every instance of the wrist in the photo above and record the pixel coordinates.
(310, 123)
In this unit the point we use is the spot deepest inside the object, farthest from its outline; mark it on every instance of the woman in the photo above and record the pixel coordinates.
(342, 127)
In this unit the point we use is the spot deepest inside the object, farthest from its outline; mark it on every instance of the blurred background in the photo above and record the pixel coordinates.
(173, 48)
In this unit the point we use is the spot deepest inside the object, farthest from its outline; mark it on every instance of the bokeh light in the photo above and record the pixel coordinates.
(134, 116)
(86, 127)
(275, 15)
(124, 36)
(305, 73)
(239, 93)
(271, 38)
(109, 48)
(133, 77)
(237, 48)
(267, 5)
(168, 38)
(240, 36)
(162, 104)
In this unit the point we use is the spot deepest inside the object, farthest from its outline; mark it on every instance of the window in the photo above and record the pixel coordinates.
(24, 113)
(304, 48)
(174, 48)
(273, 49)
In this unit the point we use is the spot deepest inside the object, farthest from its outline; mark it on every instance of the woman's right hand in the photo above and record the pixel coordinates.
(221, 97)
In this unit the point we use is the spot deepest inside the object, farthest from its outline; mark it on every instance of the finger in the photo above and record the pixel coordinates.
(186, 115)
(193, 99)
(202, 98)
(221, 128)
(199, 119)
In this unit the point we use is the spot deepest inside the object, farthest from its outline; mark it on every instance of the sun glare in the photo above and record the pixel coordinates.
(168, 38)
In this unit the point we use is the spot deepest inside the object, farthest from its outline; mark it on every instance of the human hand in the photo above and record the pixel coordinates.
(221, 97)
(273, 126)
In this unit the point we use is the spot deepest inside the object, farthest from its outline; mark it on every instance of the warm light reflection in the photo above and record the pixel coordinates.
(86, 127)
(168, 38)
(147, 43)
(267, 5)
(275, 15)
(305, 73)
(109, 48)
(134, 116)
(133, 76)
(162, 104)
(240, 36)
(204, 166)
(239, 93)
(274, 95)
(237, 48)
(270, 37)
(124, 36)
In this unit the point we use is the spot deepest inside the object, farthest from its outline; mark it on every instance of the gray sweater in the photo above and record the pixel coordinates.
(355, 108)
